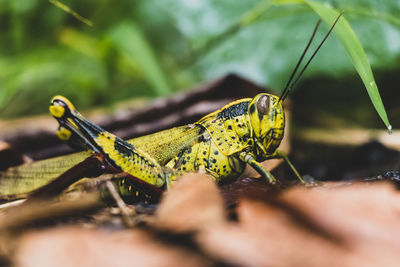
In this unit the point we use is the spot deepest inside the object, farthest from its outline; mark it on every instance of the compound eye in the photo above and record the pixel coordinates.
(263, 104)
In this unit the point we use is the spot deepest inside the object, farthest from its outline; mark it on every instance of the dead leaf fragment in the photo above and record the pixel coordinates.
(10, 156)
(347, 225)
(364, 217)
(72, 246)
(193, 203)
(267, 236)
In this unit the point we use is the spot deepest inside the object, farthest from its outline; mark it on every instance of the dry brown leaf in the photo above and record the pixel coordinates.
(72, 246)
(356, 225)
(365, 217)
(30, 212)
(11, 157)
(193, 203)
(267, 236)
(234, 191)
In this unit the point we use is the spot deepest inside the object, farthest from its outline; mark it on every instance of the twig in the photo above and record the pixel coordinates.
(125, 212)
(17, 217)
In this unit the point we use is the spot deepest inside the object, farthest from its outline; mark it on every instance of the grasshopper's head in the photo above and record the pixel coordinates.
(267, 119)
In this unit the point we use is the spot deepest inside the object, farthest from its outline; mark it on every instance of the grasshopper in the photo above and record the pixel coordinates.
(220, 144)
(246, 131)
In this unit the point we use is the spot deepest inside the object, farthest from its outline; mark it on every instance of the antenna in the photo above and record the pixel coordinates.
(289, 88)
(300, 59)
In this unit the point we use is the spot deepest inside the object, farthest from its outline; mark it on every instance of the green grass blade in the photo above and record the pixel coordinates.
(70, 11)
(130, 41)
(353, 46)
(343, 31)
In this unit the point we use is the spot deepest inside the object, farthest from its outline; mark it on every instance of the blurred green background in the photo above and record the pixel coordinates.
(154, 48)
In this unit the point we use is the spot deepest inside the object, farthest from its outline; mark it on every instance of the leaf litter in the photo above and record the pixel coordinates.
(352, 224)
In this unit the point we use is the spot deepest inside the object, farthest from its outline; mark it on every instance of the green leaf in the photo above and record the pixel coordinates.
(353, 46)
(130, 41)
(349, 40)
(258, 53)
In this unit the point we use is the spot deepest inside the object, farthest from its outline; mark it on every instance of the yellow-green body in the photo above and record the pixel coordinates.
(245, 131)
(229, 132)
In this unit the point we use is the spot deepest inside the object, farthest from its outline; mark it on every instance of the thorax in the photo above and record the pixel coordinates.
(230, 127)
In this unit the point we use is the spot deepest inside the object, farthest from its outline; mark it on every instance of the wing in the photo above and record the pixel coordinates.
(27, 177)
(165, 145)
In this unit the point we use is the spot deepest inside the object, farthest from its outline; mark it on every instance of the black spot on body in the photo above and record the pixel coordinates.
(234, 110)
(124, 148)
(246, 137)
(216, 152)
(229, 127)
(202, 129)
(260, 116)
(252, 108)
